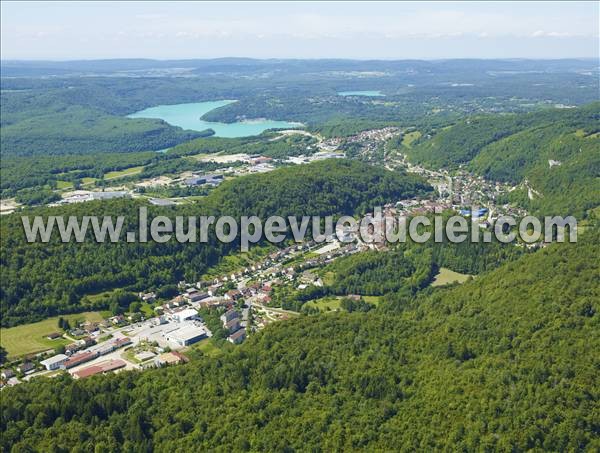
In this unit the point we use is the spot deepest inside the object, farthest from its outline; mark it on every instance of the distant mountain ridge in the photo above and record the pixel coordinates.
(37, 68)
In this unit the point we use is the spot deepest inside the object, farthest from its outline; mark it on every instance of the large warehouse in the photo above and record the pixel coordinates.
(186, 335)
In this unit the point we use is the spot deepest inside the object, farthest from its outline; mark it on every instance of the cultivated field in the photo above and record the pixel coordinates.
(122, 173)
(31, 338)
(331, 303)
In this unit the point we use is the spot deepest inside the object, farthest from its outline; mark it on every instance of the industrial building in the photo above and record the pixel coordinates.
(186, 335)
(187, 314)
(54, 362)
(100, 368)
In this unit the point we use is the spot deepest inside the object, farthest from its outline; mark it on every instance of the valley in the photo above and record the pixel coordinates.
(345, 344)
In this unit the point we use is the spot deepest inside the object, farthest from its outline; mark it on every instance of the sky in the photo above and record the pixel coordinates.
(362, 30)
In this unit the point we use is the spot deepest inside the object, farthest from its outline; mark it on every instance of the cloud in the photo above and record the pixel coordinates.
(556, 34)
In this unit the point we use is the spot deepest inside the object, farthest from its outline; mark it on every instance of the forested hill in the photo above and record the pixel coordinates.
(57, 128)
(506, 362)
(557, 152)
(328, 187)
(41, 280)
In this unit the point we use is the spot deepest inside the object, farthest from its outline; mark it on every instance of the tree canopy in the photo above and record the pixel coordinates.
(504, 362)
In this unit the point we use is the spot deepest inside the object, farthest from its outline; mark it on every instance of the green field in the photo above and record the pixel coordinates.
(328, 278)
(31, 338)
(148, 310)
(447, 276)
(332, 303)
(64, 185)
(300, 258)
(207, 347)
(104, 295)
(373, 300)
(122, 173)
(324, 303)
(409, 138)
(203, 155)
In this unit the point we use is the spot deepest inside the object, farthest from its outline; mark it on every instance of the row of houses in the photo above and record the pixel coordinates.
(213, 285)
(23, 368)
(231, 322)
(72, 348)
(195, 296)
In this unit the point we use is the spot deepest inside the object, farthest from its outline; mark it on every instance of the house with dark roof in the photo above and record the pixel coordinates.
(7, 374)
(79, 358)
(233, 325)
(26, 367)
(228, 316)
(237, 337)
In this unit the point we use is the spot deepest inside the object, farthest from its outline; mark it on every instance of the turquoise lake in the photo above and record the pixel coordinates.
(361, 93)
(187, 116)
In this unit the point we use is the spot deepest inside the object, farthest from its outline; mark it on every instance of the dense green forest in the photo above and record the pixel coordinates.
(556, 152)
(76, 130)
(328, 187)
(268, 144)
(44, 279)
(43, 171)
(508, 361)
(410, 267)
(375, 273)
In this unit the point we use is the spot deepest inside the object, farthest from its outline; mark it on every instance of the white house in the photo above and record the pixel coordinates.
(54, 362)
(185, 315)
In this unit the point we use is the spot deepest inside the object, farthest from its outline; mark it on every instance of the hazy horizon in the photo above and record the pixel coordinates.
(64, 31)
(233, 57)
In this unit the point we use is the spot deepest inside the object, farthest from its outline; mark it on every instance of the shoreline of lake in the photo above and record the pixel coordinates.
(189, 116)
